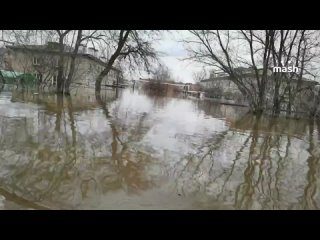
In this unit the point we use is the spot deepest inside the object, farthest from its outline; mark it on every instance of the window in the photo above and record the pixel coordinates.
(36, 61)
(38, 76)
(54, 80)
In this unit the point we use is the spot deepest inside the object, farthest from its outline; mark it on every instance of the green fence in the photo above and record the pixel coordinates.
(11, 77)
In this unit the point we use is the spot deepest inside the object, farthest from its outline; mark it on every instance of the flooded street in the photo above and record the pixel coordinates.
(133, 151)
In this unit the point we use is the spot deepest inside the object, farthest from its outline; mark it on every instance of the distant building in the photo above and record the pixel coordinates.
(192, 87)
(219, 84)
(223, 82)
(42, 61)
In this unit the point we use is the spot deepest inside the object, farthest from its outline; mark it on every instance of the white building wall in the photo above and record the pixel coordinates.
(86, 69)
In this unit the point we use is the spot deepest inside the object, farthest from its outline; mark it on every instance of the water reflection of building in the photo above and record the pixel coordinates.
(216, 110)
(128, 145)
(66, 151)
(271, 126)
(82, 98)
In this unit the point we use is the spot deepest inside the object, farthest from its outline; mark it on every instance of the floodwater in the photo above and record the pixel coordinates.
(130, 150)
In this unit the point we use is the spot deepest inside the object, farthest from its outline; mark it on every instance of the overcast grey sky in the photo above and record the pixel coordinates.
(175, 52)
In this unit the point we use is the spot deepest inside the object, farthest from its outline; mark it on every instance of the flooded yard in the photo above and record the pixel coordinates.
(134, 151)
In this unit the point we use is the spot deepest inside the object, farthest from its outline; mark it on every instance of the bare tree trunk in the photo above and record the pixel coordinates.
(289, 106)
(122, 40)
(99, 79)
(314, 108)
(73, 152)
(276, 100)
(60, 80)
(59, 113)
(60, 77)
(72, 64)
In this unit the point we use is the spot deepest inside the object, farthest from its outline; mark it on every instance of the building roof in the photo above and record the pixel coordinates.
(67, 50)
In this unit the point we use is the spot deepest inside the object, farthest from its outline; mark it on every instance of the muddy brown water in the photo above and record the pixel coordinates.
(134, 151)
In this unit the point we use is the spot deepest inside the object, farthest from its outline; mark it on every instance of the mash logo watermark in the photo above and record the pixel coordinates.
(283, 68)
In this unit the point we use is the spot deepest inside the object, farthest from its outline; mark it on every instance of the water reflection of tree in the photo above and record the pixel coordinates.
(311, 188)
(70, 147)
(261, 158)
(159, 101)
(47, 166)
(260, 188)
(265, 157)
(52, 165)
(244, 194)
(237, 157)
(218, 110)
(270, 147)
(129, 173)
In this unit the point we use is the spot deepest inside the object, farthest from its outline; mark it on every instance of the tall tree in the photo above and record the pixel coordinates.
(132, 46)
(234, 52)
(200, 75)
(161, 73)
(61, 62)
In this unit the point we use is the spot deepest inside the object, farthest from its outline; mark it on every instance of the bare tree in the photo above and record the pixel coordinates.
(300, 47)
(61, 62)
(200, 75)
(219, 49)
(83, 38)
(26, 39)
(132, 46)
(233, 52)
(161, 73)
